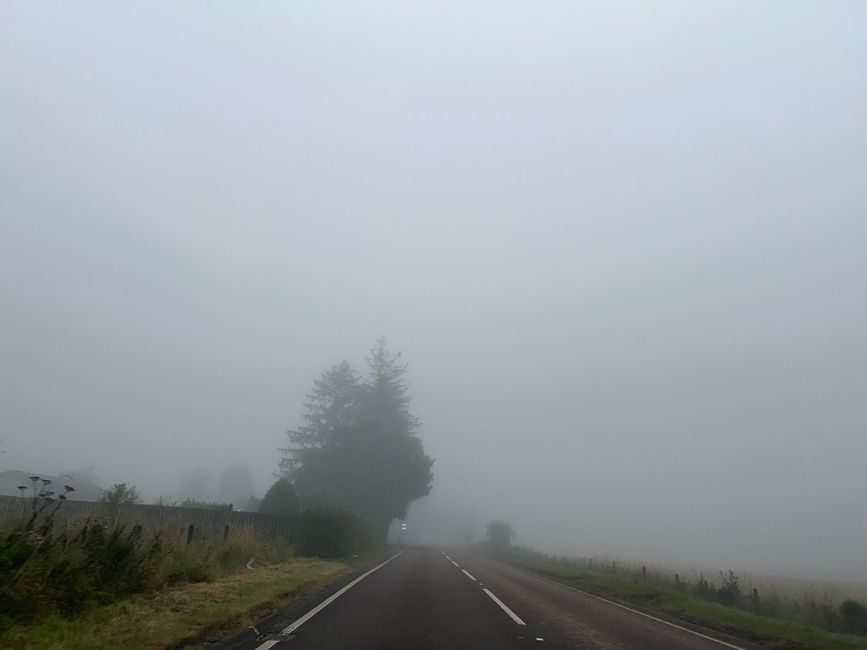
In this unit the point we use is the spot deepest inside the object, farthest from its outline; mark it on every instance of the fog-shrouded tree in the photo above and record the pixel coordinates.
(500, 533)
(280, 499)
(331, 407)
(235, 485)
(196, 483)
(358, 446)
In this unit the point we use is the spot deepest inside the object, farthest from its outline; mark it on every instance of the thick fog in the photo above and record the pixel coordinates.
(621, 247)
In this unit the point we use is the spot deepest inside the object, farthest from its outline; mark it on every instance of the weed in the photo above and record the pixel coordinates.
(45, 571)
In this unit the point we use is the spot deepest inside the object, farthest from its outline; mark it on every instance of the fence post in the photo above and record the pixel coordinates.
(226, 532)
(190, 530)
(676, 580)
(643, 572)
(613, 566)
(755, 599)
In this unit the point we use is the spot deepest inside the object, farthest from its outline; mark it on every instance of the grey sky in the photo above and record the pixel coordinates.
(622, 246)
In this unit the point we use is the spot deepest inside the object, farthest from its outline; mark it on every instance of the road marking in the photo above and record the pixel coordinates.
(469, 575)
(640, 613)
(503, 606)
(268, 644)
(289, 629)
(455, 563)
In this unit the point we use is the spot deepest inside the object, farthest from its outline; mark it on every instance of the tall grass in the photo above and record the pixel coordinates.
(49, 569)
(812, 607)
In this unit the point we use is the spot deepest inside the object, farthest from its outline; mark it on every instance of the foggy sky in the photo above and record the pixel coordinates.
(621, 246)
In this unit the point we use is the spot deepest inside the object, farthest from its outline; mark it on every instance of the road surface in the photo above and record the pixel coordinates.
(443, 598)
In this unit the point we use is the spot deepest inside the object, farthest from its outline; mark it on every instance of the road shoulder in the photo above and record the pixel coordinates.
(270, 622)
(183, 615)
(729, 624)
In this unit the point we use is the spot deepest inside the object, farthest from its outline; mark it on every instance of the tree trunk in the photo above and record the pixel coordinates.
(379, 531)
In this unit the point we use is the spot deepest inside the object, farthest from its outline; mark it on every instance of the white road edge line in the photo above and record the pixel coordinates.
(268, 644)
(652, 618)
(455, 563)
(503, 606)
(469, 575)
(286, 631)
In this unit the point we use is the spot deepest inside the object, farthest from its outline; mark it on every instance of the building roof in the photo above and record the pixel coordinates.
(12, 479)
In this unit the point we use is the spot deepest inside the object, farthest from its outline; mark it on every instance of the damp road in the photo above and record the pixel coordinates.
(444, 598)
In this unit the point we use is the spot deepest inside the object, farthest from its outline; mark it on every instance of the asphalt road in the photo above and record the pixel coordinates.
(442, 598)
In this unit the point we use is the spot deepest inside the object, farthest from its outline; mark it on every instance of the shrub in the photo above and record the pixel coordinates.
(119, 494)
(703, 589)
(65, 571)
(330, 532)
(729, 592)
(854, 615)
(280, 499)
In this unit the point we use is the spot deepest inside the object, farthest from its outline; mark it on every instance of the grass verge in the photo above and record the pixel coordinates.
(766, 631)
(179, 615)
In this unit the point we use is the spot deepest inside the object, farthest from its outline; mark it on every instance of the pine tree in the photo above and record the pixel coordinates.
(358, 447)
(332, 408)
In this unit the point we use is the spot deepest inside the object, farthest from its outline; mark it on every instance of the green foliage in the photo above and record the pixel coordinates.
(703, 588)
(66, 572)
(854, 615)
(729, 592)
(119, 494)
(184, 616)
(358, 447)
(500, 533)
(280, 499)
(330, 532)
(783, 623)
(45, 571)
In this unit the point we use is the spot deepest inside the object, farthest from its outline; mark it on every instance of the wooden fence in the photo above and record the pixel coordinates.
(203, 520)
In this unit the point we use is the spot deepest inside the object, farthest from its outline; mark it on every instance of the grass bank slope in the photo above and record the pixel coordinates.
(680, 601)
(181, 615)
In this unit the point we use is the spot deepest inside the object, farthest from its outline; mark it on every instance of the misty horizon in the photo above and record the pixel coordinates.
(621, 251)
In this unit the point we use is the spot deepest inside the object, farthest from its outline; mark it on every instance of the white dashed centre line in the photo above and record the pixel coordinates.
(469, 575)
(455, 563)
